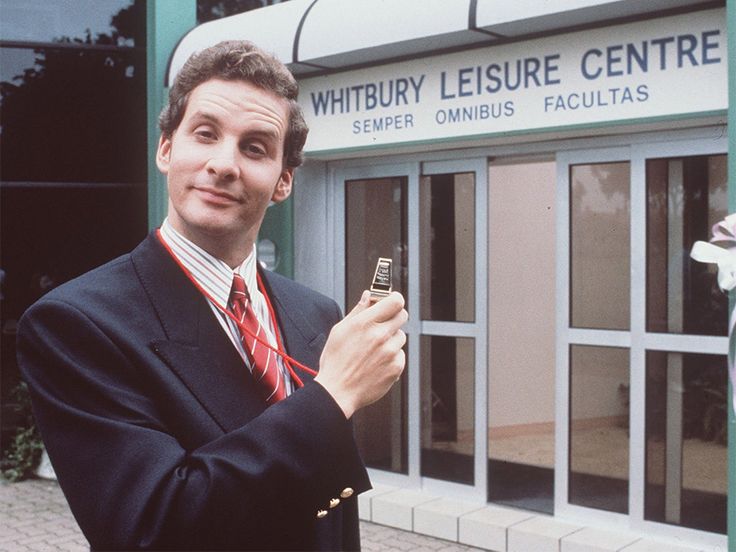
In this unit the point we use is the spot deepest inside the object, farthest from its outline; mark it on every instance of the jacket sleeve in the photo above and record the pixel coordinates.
(133, 485)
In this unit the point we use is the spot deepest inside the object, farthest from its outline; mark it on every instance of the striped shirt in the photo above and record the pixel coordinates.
(216, 278)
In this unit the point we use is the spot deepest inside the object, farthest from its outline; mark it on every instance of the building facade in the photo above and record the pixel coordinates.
(538, 174)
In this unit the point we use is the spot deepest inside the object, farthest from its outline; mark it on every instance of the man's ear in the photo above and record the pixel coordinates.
(283, 186)
(163, 154)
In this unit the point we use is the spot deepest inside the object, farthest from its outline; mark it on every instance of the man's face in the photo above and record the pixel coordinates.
(224, 163)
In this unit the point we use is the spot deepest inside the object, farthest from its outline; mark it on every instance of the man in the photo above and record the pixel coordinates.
(169, 425)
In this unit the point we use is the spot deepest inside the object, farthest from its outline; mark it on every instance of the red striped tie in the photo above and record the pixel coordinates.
(265, 366)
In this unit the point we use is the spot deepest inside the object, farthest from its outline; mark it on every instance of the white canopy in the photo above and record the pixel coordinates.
(318, 36)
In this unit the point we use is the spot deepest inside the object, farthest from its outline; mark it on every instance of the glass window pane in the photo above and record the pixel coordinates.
(448, 408)
(600, 249)
(521, 440)
(73, 115)
(599, 428)
(50, 235)
(687, 440)
(375, 226)
(381, 429)
(116, 22)
(447, 254)
(686, 196)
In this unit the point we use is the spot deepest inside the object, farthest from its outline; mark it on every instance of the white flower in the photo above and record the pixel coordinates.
(721, 250)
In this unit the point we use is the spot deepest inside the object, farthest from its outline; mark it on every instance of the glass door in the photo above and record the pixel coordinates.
(599, 210)
(427, 216)
(372, 222)
(641, 339)
(452, 309)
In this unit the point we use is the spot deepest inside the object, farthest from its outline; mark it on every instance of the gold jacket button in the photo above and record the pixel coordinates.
(334, 502)
(321, 514)
(347, 492)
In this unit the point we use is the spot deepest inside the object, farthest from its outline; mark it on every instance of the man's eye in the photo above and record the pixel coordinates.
(205, 134)
(254, 149)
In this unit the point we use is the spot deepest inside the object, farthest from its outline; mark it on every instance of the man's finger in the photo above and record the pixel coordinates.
(385, 309)
(360, 306)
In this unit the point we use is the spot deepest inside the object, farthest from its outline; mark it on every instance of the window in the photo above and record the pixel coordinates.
(599, 241)
(447, 230)
(686, 196)
(73, 149)
(599, 428)
(686, 440)
(448, 426)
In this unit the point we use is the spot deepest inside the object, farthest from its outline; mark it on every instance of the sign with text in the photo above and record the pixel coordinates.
(663, 67)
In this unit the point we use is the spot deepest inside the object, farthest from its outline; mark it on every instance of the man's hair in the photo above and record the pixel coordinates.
(238, 60)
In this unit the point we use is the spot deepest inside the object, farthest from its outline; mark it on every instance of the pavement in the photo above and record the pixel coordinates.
(34, 517)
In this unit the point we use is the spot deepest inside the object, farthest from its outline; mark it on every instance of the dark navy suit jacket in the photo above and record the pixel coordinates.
(154, 426)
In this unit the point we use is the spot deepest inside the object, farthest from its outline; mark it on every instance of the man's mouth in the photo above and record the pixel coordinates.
(214, 195)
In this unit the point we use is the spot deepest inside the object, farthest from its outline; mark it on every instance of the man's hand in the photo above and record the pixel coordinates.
(363, 356)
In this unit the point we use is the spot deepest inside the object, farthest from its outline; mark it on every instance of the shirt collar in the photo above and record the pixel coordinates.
(213, 274)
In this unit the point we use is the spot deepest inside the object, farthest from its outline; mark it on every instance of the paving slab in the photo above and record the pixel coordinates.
(34, 517)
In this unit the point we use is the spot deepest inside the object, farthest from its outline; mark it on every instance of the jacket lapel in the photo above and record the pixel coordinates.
(302, 338)
(197, 350)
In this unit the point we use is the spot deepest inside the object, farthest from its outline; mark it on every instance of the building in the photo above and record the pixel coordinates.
(538, 172)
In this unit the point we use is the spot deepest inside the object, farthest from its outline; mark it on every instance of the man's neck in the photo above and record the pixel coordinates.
(233, 257)
(232, 251)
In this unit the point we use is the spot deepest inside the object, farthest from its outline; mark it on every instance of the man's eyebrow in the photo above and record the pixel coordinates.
(266, 132)
(205, 115)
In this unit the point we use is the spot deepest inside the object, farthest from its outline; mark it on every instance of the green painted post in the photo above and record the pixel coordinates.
(731, 33)
(166, 22)
(278, 226)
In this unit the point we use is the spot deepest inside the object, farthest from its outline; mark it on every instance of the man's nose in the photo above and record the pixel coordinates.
(222, 165)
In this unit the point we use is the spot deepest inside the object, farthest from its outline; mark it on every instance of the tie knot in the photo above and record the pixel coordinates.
(239, 287)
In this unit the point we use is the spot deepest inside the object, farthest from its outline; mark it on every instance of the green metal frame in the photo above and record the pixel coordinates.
(278, 226)
(731, 32)
(166, 22)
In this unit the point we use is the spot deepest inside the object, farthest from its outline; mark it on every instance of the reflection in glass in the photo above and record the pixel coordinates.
(521, 440)
(447, 384)
(73, 115)
(73, 151)
(81, 21)
(14, 62)
(687, 440)
(686, 196)
(447, 251)
(599, 424)
(600, 249)
(50, 235)
(376, 226)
